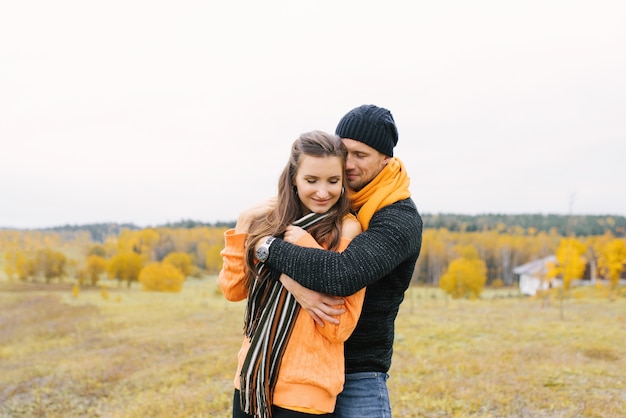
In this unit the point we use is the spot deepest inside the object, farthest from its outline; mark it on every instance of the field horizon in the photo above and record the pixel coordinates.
(123, 352)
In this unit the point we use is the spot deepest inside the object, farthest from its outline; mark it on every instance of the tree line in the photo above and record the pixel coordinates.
(101, 231)
(475, 250)
(577, 225)
(158, 258)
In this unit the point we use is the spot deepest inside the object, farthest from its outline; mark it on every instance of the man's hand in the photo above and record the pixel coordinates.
(319, 306)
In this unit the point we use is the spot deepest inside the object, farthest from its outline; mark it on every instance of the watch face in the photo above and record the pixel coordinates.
(262, 253)
(264, 250)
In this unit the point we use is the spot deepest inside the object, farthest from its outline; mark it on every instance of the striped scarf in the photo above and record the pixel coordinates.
(271, 312)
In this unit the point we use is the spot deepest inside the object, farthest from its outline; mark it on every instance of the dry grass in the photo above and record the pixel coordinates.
(141, 354)
(511, 358)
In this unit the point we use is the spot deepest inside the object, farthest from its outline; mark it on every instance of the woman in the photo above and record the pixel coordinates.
(288, 365)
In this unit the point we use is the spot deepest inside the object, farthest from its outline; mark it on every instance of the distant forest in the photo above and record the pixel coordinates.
(577, 225)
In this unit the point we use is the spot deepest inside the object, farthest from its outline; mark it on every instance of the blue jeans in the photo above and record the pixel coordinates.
(364, 395)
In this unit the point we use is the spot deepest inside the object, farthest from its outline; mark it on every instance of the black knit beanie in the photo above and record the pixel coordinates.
(371, 125)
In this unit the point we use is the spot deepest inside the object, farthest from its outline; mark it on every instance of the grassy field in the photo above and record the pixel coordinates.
(136, 354)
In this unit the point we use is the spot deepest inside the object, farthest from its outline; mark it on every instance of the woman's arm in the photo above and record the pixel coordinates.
(232, 276)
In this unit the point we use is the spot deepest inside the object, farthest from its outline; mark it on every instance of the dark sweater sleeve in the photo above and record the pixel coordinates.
(394, 234)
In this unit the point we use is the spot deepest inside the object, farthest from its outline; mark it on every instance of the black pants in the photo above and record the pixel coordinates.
(277, 412)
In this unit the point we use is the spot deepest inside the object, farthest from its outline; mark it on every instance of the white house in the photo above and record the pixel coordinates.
(532, 275)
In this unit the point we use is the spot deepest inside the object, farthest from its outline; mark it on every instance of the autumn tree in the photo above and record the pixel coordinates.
(570, 261)
(97, 249)
(511, 250)
(611, 260)
(165, 246)
(24, 265)
(433, 260)
(96, 266)
(72, 267)
(50, 264)
(125, 266)
(213, 258)
(182, 261)
(9, 265)
(466, 275)
(161, 277)
(156, 243)
(570, 265)
(147, 239)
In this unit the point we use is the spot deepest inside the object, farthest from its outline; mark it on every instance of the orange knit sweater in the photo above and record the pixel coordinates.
(312, 370)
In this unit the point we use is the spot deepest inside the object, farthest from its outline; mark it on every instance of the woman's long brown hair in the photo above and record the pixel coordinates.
(327, 231)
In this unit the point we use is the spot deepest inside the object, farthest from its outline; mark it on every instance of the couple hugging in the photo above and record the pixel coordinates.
(323, 267)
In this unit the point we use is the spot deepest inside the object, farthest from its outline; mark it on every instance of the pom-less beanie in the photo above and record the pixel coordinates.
(371, 125)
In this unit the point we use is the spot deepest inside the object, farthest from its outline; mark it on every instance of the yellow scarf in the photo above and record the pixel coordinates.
(389, 186)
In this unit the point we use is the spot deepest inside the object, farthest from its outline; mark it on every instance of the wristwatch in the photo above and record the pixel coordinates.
(264, 250)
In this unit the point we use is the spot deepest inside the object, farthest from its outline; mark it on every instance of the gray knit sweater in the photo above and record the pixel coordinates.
(382, 258)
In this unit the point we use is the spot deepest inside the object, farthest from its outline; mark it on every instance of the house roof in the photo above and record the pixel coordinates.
(535, 267)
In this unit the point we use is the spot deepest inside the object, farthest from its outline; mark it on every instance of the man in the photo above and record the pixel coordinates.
(382, 258)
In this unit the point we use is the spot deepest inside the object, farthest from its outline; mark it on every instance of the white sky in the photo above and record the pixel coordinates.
(155, 111)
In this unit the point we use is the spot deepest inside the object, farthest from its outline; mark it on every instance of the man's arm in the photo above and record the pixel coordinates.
(319, 306)
(394, 233)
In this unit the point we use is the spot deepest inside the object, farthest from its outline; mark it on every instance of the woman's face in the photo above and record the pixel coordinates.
(319, 181)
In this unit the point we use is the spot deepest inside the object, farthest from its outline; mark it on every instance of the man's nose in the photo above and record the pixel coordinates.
(349, 163)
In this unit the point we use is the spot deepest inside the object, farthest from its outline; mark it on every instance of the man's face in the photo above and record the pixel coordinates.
(363, 163)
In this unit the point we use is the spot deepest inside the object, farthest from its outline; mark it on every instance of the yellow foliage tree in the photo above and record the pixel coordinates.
(466, 275)
(200, 254)
(125, 241)
(125, 266)
(182, 261)
(9, 265)
(570, 261)
(97, 249)
(611, 260)
(72, 267)
(23, 265)
(161, 277)
(147, 239)
(434, 258)
(213, 262)
(50, 264)
(570, 265)
(96, 266)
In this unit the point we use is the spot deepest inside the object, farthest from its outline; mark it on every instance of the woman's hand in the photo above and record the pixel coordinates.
(249, 215)
(293, 233)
